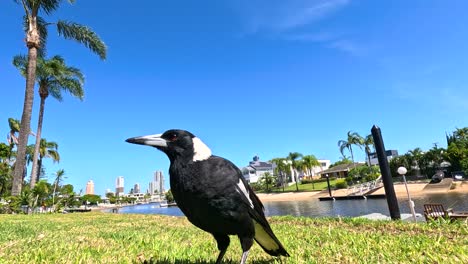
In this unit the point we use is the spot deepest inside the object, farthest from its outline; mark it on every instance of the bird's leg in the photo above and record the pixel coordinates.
(246, 244)
(223, 243)
(220, 256)
(244, 257)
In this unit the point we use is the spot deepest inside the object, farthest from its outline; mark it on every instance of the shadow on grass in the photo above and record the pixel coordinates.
(183, 261)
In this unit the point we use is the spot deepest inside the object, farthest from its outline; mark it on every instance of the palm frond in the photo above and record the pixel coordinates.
(21, 63)
(83, 35)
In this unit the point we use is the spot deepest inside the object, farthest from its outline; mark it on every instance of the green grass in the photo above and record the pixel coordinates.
(119, 238)
(319, 186)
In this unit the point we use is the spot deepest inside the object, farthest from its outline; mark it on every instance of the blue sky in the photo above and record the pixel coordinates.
(249, 78)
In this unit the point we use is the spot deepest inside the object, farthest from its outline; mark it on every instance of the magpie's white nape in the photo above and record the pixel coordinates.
(213, 194)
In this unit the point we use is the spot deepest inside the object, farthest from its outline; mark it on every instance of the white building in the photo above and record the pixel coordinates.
(157, 184)
(256, 168)
(315, 171)
(119, 186)
(390, 155)
(90, 187)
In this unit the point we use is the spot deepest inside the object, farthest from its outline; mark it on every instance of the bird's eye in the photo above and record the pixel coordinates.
(173, 137)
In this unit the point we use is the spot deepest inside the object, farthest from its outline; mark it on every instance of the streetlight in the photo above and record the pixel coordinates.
(402, 171)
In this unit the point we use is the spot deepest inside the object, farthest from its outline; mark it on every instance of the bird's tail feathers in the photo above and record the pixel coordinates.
(268, 241)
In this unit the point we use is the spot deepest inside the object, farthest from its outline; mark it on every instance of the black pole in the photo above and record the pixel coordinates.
(328, 184)
(386, 175)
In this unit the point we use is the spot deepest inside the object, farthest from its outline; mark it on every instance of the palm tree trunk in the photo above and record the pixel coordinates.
(25, 118)
(34, 169)
(39, 168)
(295, 179)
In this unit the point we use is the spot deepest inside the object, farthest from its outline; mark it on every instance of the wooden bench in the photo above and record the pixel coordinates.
(435, 211)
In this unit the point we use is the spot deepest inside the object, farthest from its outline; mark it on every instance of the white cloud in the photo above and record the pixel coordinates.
(279, 16)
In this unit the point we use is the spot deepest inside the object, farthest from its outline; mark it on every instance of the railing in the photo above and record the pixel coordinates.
(365, 187)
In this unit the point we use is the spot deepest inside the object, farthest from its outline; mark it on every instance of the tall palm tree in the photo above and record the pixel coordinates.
(53, 76)
(367, 142)
(281, 169)
(59, 175)
(36, 34)
(309, 162)
(46, 150)
(293, 158)
(353, 139)
(12, 137)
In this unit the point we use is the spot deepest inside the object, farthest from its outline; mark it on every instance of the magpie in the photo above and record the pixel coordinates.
(213, 194)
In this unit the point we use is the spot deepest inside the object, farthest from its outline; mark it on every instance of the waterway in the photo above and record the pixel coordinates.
(316, 208)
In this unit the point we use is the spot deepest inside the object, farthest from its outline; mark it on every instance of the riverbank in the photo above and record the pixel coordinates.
(415, 189)
(97, 237)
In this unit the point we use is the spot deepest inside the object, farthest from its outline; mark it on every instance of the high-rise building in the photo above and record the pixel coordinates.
(90, 187)
(119, 185)
(159, 182)
(136, 188)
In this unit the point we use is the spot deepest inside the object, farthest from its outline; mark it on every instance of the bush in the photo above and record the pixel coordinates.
(341, 184)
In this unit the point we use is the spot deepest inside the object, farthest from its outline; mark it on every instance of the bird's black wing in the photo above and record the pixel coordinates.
(263, 233)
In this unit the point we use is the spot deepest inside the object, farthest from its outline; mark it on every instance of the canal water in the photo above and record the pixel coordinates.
(316, 208)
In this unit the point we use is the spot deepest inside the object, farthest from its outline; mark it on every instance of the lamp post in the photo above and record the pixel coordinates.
(328, 184)
(402, 171)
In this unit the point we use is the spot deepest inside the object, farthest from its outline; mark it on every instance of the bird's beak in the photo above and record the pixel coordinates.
(150, 140)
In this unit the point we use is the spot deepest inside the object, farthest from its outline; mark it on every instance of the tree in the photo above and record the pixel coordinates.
(90, 199)
(59, 175)
(353, 139)
(281, 169)
(367, 142)
(12, 137)
(457, 150)
(293, 158)
(308, 163)
(267, 180)
(36, 35)
(52, 76)
(46, 150)
(343, 160)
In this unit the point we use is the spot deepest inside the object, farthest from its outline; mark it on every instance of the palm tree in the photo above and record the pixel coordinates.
(267, 180)
(53, 76)
(308, 163)
(353, 139)
(366, 143)
(46, 150)
(12, 137)
(59, 175)
(293, 158)
(36, 35)
(281, 169)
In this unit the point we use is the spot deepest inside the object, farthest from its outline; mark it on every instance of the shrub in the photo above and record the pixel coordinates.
(341, 184)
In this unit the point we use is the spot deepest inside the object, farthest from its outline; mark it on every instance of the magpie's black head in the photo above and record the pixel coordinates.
(175, 143)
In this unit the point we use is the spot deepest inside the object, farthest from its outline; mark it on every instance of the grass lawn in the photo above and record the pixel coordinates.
(319, 186)
(117, 238)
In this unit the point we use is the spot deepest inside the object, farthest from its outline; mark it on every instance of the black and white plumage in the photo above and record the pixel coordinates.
(213, 194)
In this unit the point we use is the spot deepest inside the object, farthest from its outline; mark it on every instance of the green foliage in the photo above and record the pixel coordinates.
(341, 184)
(363, 174)
(344, 160)
(169, 196)
(267, 181)
(92, 199)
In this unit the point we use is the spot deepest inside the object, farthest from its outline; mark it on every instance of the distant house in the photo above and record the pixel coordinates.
(315, 171)
(256, 168)
(340, 171)
(390, 155)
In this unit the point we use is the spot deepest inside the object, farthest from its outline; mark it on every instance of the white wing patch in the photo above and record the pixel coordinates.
(242, 190)
(202, 152)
